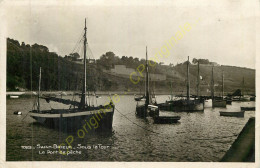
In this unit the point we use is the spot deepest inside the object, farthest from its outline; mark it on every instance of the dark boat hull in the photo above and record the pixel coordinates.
(183, 106)
(232, 114)
(166, 119)
(92, 121)
(248, 108)
(219, 103)
(141, 111)
(229, 102)
(252, 98)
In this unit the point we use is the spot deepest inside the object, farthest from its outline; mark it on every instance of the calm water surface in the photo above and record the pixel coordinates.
(200, 136)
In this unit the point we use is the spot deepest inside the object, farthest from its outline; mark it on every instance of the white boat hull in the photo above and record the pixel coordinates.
(208, 103)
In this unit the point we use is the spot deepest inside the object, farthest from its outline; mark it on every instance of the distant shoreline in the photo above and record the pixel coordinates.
(113, 92)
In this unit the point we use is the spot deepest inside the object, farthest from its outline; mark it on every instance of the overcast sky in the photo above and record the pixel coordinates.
(224, 31)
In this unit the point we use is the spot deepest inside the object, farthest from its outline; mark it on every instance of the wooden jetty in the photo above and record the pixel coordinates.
(243, 148)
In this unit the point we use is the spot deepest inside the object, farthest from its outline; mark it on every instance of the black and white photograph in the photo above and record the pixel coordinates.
(129, 81)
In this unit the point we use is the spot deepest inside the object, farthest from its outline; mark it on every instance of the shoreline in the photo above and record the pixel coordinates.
(29, 93)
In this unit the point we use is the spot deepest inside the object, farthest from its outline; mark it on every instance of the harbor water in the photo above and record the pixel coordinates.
(197, 137)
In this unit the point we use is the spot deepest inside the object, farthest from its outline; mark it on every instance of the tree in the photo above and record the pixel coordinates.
(74, 56)
(194, 61)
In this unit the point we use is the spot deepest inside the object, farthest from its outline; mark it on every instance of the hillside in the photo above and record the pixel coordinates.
(65, 73)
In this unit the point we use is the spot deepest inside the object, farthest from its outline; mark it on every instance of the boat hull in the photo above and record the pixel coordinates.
(229, 102)
(14, 97)
(248, 108)
(232, 114)
(183, 106)
(242, 99)
(141, 111)
(166, 119)
(94, 120)
(208, 103)
(252, 98)
(219, 103)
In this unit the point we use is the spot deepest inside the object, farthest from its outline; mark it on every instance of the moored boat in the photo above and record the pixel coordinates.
(232, 114)
(158, 118)
(142, 107)
(182, 105)
(14, 97)
(219, 102)
(188, 104)
(248, 108)
(166, 119)
(79, 115)
(149, 109)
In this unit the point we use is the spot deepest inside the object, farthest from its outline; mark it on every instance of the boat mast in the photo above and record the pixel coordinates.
(147, 81)
(83, 95)
(198, 80)
(188, 80)
(38, 107)
(243, 88)
(171, 92)
(222, 85)
(212, 85)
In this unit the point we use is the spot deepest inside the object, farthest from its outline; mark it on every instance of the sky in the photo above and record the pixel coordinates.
(222, 31)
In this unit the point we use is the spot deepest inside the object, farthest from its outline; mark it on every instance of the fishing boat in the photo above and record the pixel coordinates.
(232, 114)
(142, 106)
(218, 102)
(185, 105)
(79, 114)
(239, 95)
(248, 108)
(149, 108)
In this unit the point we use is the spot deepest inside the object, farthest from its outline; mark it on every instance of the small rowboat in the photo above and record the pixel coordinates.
(153, 111)
(166, 119)
(18, 113)
(248, 108)
(232, 114)
(14, 97)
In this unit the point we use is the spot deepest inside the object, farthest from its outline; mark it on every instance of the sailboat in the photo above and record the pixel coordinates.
(150, 107)
(142, 108)
(79, 114)
(244, 97)
(218, 101)
(184, 105)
